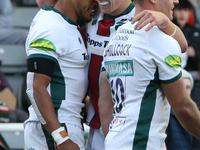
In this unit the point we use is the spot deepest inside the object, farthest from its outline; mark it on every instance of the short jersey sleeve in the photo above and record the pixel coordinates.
(46, 36)
(166, 54)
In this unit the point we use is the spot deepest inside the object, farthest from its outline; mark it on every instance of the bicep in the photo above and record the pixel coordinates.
(41, 80)
(105, 90)
(176, 93)
(179, 36)
(43, 71)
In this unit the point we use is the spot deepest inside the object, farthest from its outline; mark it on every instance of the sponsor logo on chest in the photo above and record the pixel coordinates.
(96, 43)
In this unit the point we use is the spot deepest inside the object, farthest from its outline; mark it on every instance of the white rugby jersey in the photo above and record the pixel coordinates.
(99, 32)
(136, 63)
(54, 36)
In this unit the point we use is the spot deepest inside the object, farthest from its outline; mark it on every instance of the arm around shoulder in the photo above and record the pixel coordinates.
(163, 22)
(177, 34)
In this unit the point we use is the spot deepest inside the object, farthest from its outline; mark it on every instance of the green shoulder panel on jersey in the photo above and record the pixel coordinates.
(119, 68)
(173, 61)
(43, 44)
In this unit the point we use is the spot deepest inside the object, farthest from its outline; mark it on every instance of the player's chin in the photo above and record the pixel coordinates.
(88, 18)
(170, 17)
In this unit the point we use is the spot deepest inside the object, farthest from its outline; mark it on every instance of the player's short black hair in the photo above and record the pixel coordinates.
(184, 4)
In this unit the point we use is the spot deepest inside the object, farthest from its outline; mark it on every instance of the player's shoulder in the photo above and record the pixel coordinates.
(127, 25)
(159, 41)
(47, 23)
(157, 35)
(46, 29)
(49, 18)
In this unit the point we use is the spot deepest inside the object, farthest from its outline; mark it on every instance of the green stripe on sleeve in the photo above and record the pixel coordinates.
(171, 80)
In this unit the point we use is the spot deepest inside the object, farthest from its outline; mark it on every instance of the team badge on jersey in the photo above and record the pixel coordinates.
(173, 61)
(43, 44)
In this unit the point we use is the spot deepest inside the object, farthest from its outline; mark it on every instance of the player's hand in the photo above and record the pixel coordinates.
(152, 17)
(68, 145)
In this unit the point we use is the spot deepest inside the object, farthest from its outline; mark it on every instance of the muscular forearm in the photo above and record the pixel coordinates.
(44, 102)
(45, 106)
(183, 106)
(105, 113)
(178, 35)
(105, 103)
(189, 118)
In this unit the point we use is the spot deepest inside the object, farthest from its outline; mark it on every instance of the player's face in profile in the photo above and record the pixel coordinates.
(86, 9)
(166, 7)
(113, 7)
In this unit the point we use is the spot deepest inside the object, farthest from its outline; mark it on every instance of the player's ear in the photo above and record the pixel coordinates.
(152, 1)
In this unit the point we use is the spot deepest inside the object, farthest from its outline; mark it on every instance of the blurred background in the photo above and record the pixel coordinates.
(15, 19)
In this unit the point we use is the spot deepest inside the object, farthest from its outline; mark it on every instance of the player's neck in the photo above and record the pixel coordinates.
(140, 8)
(66, 8)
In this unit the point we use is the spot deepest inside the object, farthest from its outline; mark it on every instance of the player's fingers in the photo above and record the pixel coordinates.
(151, 26)
(137, 17)
(143, 23)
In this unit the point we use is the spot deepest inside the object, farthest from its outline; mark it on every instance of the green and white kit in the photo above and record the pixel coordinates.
(136, 63)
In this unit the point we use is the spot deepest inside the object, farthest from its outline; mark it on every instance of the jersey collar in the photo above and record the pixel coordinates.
(51, 8)
(129, 9)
